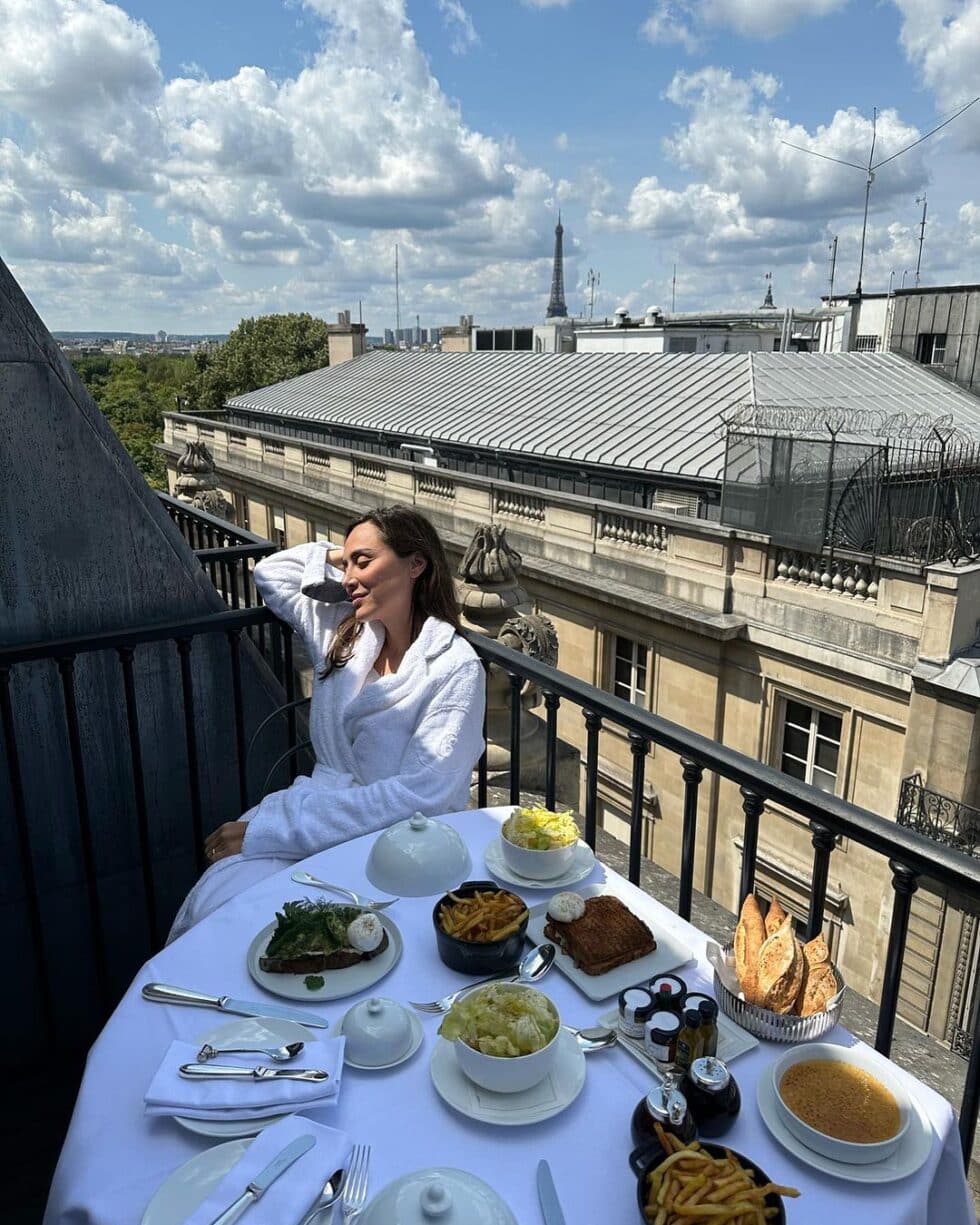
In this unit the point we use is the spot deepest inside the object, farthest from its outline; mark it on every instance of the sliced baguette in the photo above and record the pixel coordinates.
(781, 963)
(750, 935)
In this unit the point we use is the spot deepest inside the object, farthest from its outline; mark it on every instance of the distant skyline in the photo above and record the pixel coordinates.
(182, 166)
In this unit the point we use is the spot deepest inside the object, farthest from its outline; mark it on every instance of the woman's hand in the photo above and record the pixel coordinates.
(226, 840)
(335, 557)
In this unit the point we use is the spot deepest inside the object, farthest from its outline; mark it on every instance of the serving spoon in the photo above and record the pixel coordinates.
(593, 1037)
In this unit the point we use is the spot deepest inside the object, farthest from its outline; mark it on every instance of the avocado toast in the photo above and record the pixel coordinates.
(311, 936)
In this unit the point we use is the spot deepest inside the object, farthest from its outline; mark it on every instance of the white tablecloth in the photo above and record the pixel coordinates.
(114, 1157)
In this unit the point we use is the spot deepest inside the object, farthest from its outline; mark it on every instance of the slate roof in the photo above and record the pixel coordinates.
(643, 411)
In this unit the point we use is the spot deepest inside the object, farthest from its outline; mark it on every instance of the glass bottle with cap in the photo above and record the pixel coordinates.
(712, 1094)
(667, 1106)
(709, 1027)
(668, 990)
(689, 1039)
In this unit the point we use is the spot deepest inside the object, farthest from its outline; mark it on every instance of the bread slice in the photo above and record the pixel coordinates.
(311, 937)
(816, 952)
(818, 989)
(749, 937)
(781, 964)
(775, 916)
(606, 936)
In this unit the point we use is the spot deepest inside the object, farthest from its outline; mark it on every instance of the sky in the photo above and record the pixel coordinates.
(182, 165)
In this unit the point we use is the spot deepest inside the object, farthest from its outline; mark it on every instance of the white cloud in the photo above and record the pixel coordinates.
(460, 26)
(671, 23)
(942, 39)
(561, 142)
(546, 4)
(692, 23)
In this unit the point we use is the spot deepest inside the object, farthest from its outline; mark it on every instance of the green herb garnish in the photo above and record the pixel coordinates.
(313, 982)
(307, 926)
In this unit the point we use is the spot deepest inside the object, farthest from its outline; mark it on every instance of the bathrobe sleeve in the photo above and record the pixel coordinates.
(432, 778)
(303, 590)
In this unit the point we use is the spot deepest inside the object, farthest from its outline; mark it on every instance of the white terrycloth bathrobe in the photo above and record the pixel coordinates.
(386, 746)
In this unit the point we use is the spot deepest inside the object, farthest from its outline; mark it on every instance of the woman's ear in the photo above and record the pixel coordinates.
(417, 566)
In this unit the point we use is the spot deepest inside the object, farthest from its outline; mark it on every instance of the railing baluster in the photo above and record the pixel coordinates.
(904, 882)
(823, 843)
(970, 1102)
(516, 684)
(593, 725)
(639, 747)
(66, 666)
(752, 804)
(693, 772)
(139, 796)
(194, 781)
(551, 703)
(235, 647)
(27, 872)
(233, 570)
(289, 680)
(481, 766)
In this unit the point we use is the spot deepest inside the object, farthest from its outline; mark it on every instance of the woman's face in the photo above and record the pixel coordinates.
(378, 581)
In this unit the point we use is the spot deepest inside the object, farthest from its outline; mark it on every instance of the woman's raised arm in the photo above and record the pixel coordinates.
(303, 589)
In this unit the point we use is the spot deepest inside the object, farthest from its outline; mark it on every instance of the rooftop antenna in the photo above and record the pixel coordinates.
(833, 269)
(593, 281)
(398, 309)
(673, 290)
(922, 235)
(873, 166)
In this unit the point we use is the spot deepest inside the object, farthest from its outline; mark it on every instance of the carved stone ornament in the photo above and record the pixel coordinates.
(489, 558)
(532, 633)
(196, 481)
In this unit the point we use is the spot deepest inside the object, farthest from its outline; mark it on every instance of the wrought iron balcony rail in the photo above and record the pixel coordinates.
(910, 856)
(938, 817)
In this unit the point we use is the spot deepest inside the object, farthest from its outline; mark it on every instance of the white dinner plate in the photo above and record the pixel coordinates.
(550, 1096)
(190, 1185)
(336, 983)
(670, 953)
(905, 1160)
(249, 1031)
(733, 1041)
(582, 864)
(413, 1046)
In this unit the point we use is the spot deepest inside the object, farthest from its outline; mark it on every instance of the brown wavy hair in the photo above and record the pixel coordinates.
(433, 592)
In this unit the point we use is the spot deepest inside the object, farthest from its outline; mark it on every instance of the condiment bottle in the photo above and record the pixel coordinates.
(712, 1095)
(660, 1038)
(668, 990)
(694, 999)
(636, 1007)
(666, 1106)
(709, 1027)
(689, 1039)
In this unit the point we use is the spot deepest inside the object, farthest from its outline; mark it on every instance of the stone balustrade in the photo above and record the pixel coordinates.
(633, 532)
(367, 470)
(839, 576)
(519, 506)
(431, 486)
(318, 459)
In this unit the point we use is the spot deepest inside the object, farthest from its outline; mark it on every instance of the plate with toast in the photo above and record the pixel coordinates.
(609, 947)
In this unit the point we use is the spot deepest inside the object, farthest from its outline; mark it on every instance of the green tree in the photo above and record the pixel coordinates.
(259, 352)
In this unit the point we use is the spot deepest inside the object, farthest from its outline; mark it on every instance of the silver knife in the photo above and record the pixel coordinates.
(550, 1207)
(292, 1152)
(228, 1071)
(161, 993)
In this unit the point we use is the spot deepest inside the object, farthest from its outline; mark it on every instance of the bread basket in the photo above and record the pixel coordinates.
(774, 1026)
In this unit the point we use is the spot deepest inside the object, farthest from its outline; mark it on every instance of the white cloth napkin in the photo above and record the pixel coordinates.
(170, 1093)
(293, 1192)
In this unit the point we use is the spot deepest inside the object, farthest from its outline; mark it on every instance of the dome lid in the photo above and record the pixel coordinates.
(418, 858)
(438, 1196)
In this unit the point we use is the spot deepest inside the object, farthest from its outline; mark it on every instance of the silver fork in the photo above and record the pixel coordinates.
(356, 1183)
(327, 1197)
(305, 878)
(435, 1007)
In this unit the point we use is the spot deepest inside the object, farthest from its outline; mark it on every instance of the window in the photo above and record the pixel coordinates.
(277, 526)
(240, 501)
(865, 344)
(810, 745)
(319, 531)
(930, 348)
(630, 670)
(682, 344)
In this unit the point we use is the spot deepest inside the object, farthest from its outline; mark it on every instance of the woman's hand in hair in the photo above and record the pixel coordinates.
(335, 557)
(226, 840)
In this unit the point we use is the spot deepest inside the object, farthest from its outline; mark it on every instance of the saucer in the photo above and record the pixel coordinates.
(190, 1185)
(582, 865)
(336, 983)
(549, 1097)
(906, 1159)
(413, 1046)
(249, 1031)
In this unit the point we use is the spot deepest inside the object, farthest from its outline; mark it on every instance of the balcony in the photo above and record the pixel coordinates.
(128, 874)
(938, 817)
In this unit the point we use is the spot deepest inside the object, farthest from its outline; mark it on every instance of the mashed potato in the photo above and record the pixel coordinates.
(538, 829)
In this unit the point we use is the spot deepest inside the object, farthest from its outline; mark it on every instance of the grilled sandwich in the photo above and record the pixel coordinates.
(607, 935)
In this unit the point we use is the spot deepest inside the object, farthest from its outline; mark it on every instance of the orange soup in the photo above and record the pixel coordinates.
(841, 1100)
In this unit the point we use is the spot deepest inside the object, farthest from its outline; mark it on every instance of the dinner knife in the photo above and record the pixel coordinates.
(550, 1207)
(229, 1071)
(261, 1183)
(162, 993)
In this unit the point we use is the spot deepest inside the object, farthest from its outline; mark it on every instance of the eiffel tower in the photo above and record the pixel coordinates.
(556, 303)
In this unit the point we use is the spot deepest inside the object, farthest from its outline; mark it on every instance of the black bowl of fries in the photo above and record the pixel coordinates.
(731, 1188)
(480, 928)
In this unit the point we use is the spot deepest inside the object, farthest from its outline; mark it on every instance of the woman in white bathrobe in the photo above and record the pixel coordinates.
(396, 717)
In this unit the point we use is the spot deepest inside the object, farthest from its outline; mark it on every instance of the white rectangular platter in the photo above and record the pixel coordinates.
(732, 1041)
(670, 953)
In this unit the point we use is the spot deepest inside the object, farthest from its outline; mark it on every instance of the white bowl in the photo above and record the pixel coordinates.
(378, 1031)
(418, 858)
(848, 1151)
(537, 865)
(509, 1073)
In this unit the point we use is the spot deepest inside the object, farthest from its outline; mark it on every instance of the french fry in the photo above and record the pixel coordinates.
(690, 1187)
(483, 917)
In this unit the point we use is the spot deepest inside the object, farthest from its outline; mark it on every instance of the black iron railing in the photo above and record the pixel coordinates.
(938, 817)
(910, 856)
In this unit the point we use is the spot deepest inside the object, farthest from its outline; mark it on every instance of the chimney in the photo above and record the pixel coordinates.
(345, 340)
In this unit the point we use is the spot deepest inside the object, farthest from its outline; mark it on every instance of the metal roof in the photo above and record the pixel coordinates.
(649, 412)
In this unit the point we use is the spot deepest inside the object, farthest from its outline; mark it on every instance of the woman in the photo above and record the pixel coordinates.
(396, 717)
